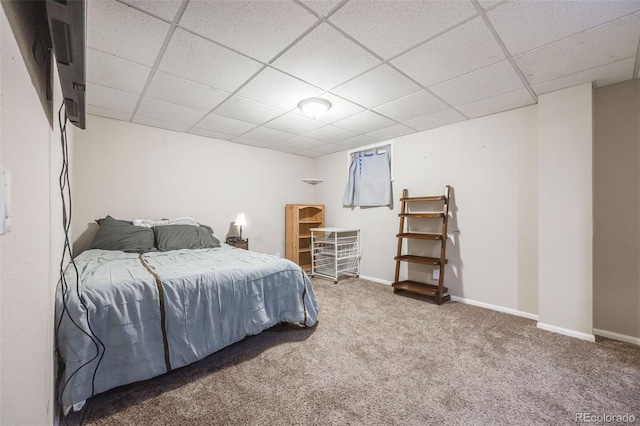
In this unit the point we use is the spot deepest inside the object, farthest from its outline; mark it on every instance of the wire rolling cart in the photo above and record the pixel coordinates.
(335, 252)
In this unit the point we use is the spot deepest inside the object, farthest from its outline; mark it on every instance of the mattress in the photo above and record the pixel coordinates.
(154, 312)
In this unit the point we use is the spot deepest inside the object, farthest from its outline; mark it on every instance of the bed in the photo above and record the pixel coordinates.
(155, 311)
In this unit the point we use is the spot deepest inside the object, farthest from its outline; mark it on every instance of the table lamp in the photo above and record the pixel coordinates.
(241, 221)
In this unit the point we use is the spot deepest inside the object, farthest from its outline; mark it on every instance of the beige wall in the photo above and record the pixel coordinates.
(491, 164)
(29, 254)
(132, 171)
(521, 232)
(617, 209)
(565, 223)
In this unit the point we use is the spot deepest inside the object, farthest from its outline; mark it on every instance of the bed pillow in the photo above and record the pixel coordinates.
(115, 234)
(210, 231)
(99, 221)
(176, 237)
(150, 223)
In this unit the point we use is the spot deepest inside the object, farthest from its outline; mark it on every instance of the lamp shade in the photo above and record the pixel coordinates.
(241, 220)
(314, 107)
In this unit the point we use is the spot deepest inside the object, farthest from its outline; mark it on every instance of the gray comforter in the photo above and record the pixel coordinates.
(212, 298)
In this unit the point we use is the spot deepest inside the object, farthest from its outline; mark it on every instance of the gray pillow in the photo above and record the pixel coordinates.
(115, 234)
(176, 237)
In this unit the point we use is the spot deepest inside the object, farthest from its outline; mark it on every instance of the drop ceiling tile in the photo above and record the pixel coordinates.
(166, 111)
(340, 108)
(302, 142)
(325, 58)
(322, 150)
(355, 141)
(171, 88)
(309, 153)
(484, 83)
(107, 97)
(112, 71)
(197, 59)
(364, 122)
(406, 23)
(127, 32)
(162, 124)
(525, 25)
(378, 86)
(247, 110)
(391, 132)
(604, 75)
(412, 106)
(267, 135)
(272, 87)
(602, 45)
(503, 102)
(165, 9)
(108, 113)
(285, 148)
(211, 134)
(438, 119)
(294, 123)
(459, 51)
(322, 7)
(329, 134)
(221, 124)
(488, 4)
(272, 25)
(253, 142)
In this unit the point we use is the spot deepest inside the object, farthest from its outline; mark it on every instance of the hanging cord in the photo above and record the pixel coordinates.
(65, 195)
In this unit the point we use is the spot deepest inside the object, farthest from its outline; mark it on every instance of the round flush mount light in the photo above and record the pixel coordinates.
(314, 107)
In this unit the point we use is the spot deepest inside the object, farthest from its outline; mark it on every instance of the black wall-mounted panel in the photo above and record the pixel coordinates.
(61, 36)
(67, 24)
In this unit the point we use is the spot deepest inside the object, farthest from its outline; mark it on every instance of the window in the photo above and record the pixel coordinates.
(369, 178)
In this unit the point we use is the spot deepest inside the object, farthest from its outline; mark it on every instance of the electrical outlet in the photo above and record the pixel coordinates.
(436, 274)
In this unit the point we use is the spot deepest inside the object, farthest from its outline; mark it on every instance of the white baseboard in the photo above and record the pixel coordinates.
(495, 307)
(617, 336)
(542, 326)
(376, 280)
(566, 332)
(468, 301)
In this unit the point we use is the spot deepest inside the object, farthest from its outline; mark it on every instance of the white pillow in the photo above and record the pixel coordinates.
(150, 223)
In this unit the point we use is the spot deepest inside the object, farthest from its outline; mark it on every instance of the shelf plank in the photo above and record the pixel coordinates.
(422, 214)
(420, 288)
(427, 198)
(420, 235)
(424, 260)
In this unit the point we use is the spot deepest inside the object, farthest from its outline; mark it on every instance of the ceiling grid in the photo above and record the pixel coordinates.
(236, 69)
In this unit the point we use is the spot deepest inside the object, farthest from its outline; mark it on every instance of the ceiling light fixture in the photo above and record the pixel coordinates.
(314, 107)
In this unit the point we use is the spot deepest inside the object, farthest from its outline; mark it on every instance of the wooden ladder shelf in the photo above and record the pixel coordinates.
(439, 291)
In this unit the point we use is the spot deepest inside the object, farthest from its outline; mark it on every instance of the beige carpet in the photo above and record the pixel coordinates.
(376, 358)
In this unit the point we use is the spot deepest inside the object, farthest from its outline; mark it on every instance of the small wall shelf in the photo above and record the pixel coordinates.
(313, 181)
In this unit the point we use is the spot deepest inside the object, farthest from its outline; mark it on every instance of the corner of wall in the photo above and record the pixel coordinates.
(616, 211)
(565, 208)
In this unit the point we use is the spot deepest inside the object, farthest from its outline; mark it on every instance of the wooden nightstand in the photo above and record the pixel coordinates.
(241, 244)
